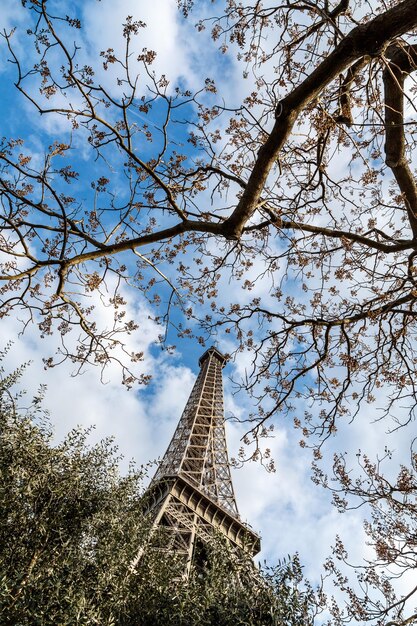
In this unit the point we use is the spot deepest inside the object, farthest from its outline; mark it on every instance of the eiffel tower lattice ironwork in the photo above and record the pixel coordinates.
(191, 495)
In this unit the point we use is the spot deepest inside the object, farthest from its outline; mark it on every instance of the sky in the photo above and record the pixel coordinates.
(285, 507)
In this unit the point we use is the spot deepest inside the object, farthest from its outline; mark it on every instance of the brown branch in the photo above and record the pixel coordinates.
(122, 246)
(403, 61)
(334, 233)
(329, 17)
(370, 313)
(403, 622)
(91, 114)
(131, 244)
(366, 39)
(345, 116)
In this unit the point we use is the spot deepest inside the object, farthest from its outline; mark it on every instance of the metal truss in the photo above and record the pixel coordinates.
(198, 448)
(191, 495)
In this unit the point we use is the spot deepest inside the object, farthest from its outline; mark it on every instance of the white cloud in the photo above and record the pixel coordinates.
(102, 26)
(11, 14)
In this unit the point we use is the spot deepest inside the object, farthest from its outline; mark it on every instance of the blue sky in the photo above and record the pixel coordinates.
(289, 511)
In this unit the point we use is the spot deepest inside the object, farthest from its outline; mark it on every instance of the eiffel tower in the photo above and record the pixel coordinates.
(191, 495)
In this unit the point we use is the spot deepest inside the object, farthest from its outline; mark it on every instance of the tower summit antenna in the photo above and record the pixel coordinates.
(191, 495)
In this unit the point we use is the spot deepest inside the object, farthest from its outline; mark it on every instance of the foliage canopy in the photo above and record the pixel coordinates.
(306, 185)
